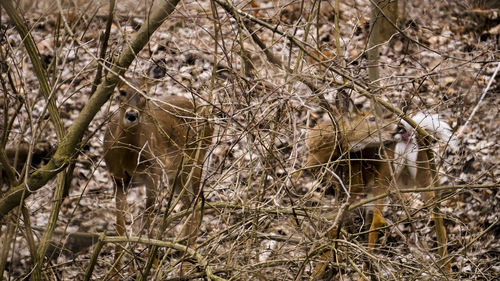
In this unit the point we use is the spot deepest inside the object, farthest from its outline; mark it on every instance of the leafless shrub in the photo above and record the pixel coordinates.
(266, 71)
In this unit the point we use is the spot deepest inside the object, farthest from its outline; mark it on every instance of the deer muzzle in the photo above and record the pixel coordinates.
(131, 117)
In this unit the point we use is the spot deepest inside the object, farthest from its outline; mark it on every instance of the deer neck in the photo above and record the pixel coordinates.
(130, 137)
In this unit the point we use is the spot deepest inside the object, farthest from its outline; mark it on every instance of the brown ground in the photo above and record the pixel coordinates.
(249, 230)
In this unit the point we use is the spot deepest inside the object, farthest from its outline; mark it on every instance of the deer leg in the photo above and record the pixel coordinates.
(152, 183)
(121, 204)
(381, 184)
(190, 230)
(424, 179)
(191, 227)
(355, 187)
(378, 221)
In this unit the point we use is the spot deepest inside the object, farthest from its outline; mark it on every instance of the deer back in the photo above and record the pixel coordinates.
(177, 133)
(350, 133)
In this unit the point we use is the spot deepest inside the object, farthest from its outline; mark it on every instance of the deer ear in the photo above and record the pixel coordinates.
(344, 103)
(120, 83)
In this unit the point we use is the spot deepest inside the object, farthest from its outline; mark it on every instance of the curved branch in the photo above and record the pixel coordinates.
(169, 244)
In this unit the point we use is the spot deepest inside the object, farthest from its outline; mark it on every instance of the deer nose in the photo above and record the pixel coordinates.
(401, 134)
(131, 116)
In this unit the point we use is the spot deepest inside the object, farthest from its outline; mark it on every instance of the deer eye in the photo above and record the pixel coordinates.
(122, 93)
(371, 119)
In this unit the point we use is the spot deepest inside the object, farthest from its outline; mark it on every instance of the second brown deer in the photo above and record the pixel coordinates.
(154, 143)
(365, 154)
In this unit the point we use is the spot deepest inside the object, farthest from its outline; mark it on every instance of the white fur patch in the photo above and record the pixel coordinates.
(406, 152)
(434, 124)
(405, 155)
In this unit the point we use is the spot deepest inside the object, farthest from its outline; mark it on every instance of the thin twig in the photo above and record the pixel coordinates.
(461, 130)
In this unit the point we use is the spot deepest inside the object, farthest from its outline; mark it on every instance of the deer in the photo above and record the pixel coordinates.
(151, 142)
(371, 154)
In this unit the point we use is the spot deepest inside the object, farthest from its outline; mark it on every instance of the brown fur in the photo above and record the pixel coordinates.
(168, 138)
(360, 150)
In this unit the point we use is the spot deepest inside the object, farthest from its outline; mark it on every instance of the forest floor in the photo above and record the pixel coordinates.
(260, 223)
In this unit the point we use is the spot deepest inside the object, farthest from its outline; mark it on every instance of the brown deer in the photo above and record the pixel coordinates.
(365, 154)
(154, 142)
